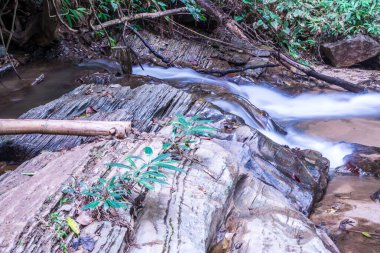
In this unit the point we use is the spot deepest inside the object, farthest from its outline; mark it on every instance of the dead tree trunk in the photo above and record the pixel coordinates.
(119, 129)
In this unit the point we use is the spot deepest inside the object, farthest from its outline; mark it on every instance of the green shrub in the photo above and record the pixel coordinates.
(298, 25)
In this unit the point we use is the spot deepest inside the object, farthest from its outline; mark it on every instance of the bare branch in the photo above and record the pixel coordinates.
(139, 16)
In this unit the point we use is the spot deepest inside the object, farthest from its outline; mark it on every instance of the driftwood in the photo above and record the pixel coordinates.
(65, 127)
(139, 16)
(38, 80)
(223, 72)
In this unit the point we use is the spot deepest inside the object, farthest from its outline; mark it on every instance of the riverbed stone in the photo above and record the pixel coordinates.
(301, 175)
(347, 52)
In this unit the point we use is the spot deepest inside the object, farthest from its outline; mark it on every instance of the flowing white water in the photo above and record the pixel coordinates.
(283, 107)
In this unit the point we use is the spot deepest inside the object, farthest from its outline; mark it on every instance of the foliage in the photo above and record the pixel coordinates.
(106, 193)
(194, 9)
(75, 11)
(144, 172)
(299, 24)
(73, 15)
(184, 129)
(57, 222)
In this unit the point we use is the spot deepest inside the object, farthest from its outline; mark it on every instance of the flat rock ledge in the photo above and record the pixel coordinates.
(245, 193)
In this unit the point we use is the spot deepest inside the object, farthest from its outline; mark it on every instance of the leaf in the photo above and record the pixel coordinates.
(119, 165)
(166, 145)
(160, 157)
(102, 181)
(154, 174)
(366, 234)
(148, 150)
(169, 167)
(91, 205)
(146, 184)
(87, 242)
(84, 219)
(129, 159)
(116, 204)
(73, 225)
(30, 174)
(155, 180)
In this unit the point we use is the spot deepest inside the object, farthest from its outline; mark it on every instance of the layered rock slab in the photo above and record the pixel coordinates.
(294, 173)
(183, 217)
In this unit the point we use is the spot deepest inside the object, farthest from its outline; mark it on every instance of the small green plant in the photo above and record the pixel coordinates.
(185, 129)
(298, 25)
(57, 223)
(116, 192)
(149, 170)
(73, 15)
(106, 193)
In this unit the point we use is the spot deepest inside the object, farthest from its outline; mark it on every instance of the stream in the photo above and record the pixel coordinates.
(325, 121)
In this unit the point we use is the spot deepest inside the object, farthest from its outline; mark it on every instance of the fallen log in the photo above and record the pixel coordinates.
(119, 129)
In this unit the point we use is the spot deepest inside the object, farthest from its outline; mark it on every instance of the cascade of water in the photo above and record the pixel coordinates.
(282, 107)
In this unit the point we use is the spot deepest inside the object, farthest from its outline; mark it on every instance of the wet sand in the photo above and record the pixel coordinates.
(356, 130)
(347, 197)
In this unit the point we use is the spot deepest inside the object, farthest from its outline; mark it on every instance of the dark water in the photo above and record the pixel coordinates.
(18, 96)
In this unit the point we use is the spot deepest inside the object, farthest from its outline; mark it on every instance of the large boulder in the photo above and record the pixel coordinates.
(192, 211)
(347, 52)
(192, 214)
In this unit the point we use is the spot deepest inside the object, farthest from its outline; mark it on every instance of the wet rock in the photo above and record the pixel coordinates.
(351, 51)
(234, 58)
(183, 217)
(256, 218)
(256, 61)
(193, 54)
(364, 160)
(376, 196)
(301, 175)
(140, 105)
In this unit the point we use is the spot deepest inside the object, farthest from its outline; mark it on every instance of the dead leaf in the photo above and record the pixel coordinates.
(84, 219)
(90, 110)
(87, 242)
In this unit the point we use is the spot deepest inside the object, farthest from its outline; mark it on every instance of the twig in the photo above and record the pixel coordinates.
(151, 49)
(13, 25)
